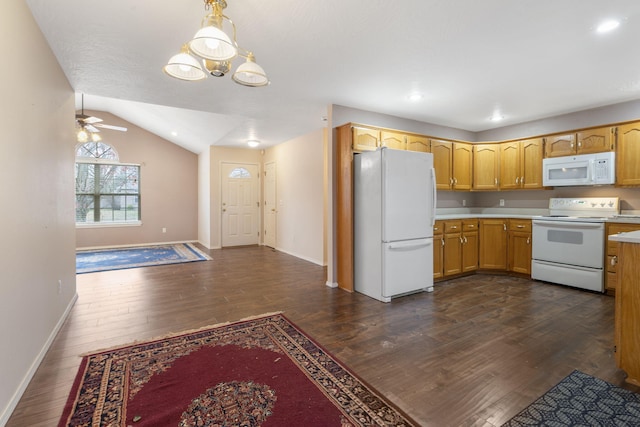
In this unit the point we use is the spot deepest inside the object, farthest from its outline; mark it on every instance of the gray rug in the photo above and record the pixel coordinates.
(582, 400)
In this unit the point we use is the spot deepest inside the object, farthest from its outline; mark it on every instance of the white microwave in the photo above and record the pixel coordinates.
(583, 169)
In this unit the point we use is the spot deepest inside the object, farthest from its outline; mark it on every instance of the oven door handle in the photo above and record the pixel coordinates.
(568, 224)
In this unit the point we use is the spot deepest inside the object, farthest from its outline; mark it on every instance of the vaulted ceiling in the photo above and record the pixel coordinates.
(468, 59)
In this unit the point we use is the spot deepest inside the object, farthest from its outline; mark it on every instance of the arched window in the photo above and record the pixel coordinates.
(107, 192)
(240, 173)
(96, 150)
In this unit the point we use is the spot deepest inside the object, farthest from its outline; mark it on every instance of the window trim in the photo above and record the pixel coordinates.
(111, 224)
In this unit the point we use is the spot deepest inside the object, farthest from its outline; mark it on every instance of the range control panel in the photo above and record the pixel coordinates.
(585, 206)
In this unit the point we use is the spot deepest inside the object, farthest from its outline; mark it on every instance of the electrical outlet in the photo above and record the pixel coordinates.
(59, 287)
(464, 202)
(164, 229)
(501, 202)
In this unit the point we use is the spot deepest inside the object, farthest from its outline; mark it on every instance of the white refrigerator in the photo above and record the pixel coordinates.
(394, 215)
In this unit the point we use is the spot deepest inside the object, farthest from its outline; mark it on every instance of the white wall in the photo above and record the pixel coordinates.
(36, 189)
(300, 193)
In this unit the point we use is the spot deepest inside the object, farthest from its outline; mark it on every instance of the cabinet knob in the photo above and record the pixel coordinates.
(614, 260)
(528, 240)
(517, 180)
(504, 226)
(520, 226)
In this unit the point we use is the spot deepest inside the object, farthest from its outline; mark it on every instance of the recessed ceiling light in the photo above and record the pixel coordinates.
(607, 26)
(253, 143)
(415, 97)
(496, 117)
(174, 133)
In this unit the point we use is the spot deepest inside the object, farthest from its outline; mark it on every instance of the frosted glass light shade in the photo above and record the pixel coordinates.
(184, 67)
(211, 42)
(250, 74)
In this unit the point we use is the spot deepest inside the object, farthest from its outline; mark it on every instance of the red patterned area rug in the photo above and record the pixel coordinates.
(258, 372)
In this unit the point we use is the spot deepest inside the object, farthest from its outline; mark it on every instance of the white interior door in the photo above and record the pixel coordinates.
(239, 204)
(270, 212)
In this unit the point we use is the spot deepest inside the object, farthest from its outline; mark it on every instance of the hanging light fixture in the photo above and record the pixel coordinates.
(216, 48)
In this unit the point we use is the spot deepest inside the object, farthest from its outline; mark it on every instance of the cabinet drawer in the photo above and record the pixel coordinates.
(452, 226)
(470, 225)
(438, 228)
(520, 225)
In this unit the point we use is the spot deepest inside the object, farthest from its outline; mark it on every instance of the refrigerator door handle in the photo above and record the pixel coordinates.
(433, 203)
(410, 245)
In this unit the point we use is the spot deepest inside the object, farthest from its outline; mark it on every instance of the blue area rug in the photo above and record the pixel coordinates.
(143, 256)
(581, 400)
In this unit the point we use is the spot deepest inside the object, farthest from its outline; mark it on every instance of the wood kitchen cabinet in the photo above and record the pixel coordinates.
(455, 247)
(611, 279)
(470, 240)
(452, 247)
(596, 140)
(628, 155)
(364, 138)
(486, 166)
(438, 250)
(443, 163)
(521, 164)
(627, 312)
(519, 247)
(395, 140)
(493, 243)
(418, 143)
(462, 165)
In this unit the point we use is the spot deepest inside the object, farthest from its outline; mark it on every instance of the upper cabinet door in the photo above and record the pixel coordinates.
(628, 155)
(531, 163)
(395, 140)
(418, 143)
(443, 163)
(560, 145)
(510, 165)
(462, 165)
(365, 139)
(595, 140)
(486, 166)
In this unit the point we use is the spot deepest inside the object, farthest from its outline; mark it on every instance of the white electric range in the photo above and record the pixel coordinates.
(568, 244)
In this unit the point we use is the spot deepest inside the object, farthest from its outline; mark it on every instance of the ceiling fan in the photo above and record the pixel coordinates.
(88, 126)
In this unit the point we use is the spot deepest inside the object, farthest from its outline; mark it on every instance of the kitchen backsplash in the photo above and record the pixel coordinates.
(535, 199)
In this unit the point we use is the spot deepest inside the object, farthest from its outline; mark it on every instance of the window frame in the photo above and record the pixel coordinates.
(97, 162)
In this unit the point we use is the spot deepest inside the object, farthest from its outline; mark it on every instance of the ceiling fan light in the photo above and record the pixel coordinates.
(250, 74)
(184, 67)
(82, 135)
(211, 42)
(95, 137)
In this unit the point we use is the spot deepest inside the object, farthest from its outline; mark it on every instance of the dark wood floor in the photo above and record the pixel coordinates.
(472, 353)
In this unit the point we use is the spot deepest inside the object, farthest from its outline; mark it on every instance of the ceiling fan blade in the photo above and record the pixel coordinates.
(92, 120)
(91, 128)
(112, 127)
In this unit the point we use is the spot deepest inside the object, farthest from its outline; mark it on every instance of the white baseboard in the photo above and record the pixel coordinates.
(332, 284)
(320, 263)
(8, 410)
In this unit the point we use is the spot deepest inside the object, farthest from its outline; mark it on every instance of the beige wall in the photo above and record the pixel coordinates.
(204, 199)
(300, 185)
(168, 188)
(37, 215)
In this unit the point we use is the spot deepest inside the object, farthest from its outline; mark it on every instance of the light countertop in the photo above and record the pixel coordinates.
(630, 217)
(630, 237)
